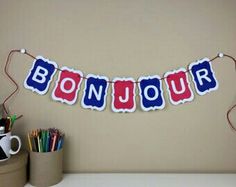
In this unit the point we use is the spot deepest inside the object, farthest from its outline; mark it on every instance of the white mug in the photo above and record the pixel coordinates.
(5, 146)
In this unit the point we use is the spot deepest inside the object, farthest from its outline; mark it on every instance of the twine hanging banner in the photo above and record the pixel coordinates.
(123, 95)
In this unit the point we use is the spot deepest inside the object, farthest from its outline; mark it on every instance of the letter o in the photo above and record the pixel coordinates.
(62, 85)
(146, 93)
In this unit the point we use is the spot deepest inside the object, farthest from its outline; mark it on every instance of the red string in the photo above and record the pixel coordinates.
(229, 121)
(12, 80)
(6, 72)
(230, 110)
(137, 82)
(232, 58)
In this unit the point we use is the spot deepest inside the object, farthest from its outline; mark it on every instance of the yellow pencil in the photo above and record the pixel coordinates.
(30, 145)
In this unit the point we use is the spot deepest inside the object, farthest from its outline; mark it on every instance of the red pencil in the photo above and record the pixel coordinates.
(54, 141)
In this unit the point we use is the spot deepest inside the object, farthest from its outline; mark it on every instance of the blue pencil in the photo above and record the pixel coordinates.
(59, 143)
(62, 141)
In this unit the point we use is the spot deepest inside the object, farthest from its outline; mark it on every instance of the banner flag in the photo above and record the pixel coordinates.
(40, 75)
(151, 93)
(67, 86)
(95, 92)
(203, 76)
(178, 86)
(123, 95)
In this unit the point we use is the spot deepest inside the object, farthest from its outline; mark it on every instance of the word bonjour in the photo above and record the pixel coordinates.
(95, 91)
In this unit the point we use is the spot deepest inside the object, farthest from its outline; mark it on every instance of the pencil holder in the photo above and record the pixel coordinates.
(45, 168)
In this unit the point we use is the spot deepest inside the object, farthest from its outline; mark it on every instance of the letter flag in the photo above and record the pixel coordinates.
(95, 92)
(178, 86)
(40, 75)
(67, 86)
(151, 93)
(203, 76)
(123, 95)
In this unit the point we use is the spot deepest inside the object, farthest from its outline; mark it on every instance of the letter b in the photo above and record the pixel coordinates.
(40, 75)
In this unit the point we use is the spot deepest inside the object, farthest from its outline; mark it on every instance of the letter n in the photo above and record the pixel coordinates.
(67, 86)
(123, 95)
(178, 86)
(40, 75)
(95, 92)
(203, 76)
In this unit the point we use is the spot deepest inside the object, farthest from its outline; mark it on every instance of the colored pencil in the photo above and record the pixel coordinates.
(30, 145)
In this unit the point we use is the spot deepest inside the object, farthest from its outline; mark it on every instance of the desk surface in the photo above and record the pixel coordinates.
(147, 180)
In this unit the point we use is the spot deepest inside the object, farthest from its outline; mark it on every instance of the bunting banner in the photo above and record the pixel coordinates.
(123, 94)
(123, 97)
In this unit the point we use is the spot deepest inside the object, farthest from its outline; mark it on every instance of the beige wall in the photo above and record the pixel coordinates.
(126, 38)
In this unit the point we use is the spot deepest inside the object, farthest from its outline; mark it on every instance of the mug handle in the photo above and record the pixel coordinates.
(19, 145)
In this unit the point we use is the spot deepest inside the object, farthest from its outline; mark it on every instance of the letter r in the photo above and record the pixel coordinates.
(203, 76)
